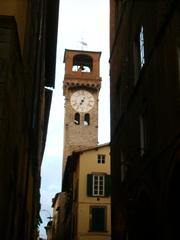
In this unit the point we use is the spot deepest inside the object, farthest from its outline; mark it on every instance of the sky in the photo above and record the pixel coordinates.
(79, 20)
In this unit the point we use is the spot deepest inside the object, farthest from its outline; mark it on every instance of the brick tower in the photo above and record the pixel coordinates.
(81, 90)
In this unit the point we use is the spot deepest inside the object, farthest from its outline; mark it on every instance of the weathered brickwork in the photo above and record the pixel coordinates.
(79, 136)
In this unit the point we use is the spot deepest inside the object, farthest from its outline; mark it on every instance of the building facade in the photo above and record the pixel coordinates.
(145, 116)
(28, 33)
(58, 206)
(88, 204)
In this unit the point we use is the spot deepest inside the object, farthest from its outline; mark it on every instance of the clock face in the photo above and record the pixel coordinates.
(82, 101)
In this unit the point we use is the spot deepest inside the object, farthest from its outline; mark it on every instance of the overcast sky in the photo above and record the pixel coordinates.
(79, 20)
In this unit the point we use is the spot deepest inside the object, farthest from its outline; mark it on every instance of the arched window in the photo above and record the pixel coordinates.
(77, 118)
(86, 119)
(82, 63)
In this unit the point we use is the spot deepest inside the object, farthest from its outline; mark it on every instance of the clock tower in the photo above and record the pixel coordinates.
(81, 90)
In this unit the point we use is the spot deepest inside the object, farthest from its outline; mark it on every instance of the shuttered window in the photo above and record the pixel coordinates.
(98, 185)
(97, 219)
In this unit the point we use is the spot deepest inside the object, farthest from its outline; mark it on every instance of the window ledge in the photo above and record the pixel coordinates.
(97, 232)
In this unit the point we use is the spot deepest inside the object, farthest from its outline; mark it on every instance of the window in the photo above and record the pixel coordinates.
(141, 42)
(117, 9)
(101, 158)
(98, 185)
(82, 63)
(138, 52)
(77, 118)
(142, 135)
(97, 219)
(86, 119)
(178, 55)
(123, 167)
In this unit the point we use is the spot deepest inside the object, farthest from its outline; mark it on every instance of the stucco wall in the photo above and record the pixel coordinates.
(18, 9)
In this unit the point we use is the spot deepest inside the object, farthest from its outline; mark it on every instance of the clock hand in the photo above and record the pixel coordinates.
(82, 100)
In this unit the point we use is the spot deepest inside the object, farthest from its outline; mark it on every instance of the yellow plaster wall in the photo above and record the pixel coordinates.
(84, 218)
(18, 9)
(87, 165)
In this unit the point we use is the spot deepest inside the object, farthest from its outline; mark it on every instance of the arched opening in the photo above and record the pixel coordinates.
(77, 118)
(86, 119)
(82, 63)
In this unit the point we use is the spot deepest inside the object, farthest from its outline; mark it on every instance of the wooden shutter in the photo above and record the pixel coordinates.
(107, 185)
(89, 184)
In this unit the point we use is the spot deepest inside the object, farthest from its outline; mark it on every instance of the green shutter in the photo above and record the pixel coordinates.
(107, 185)
(89, 184)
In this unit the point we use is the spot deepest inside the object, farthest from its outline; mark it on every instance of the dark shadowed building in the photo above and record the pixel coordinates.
(28, 33)
(145, 118)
